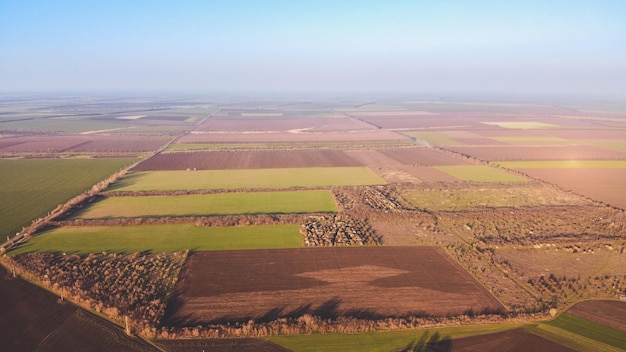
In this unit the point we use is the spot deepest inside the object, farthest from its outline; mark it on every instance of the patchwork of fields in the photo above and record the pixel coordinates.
(447, 214)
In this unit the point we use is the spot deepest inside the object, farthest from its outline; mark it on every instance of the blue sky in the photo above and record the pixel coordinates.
(494, 47)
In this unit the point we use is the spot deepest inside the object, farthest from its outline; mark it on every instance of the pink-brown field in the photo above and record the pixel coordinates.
(568, 152)
(602, 184)
(259, 159)
(367, 282)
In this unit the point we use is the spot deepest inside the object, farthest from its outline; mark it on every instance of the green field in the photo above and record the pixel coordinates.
(432, 138)
(564, 164)
(522, 125)
(531, 140)
(161, 238)
(247, 179)
(590, 330)
(480, 174)
(30, 188)
(383, 341)
(289, 202)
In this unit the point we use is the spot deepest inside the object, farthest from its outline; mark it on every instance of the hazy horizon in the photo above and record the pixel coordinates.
(555, 48)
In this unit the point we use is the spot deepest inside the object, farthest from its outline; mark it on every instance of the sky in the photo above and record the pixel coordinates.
(421, 46)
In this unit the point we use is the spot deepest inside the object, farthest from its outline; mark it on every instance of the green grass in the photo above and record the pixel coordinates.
(590, 330)
(213, 204)
(380, 341)
(480, 174)
(161, 238)
(30, 188)
(522, 125)
(66, 125)
(564, 164)
(530, 140)
(248, 179)
(569, 339)
(432, 138)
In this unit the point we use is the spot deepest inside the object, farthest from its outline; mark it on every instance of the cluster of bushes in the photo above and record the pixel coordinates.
(536, 226)
(309, 324)
(338, 230)
(365, 199)
(136, 285)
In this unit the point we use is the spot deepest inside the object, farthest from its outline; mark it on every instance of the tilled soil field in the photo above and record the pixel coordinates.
(570, 152)
(363, 136)
(601, 184)
(364, 282)
(81, 143)
(33, 319)
(609, 313)
(422, 157)
(261, 159)
(266, 124)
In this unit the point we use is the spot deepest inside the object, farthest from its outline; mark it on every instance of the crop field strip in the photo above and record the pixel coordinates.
(481, 174)
(379, 281)
(247, 179)
(32, 187)
(161, 238)
(263, 159)
(539, 153)
(279, 202)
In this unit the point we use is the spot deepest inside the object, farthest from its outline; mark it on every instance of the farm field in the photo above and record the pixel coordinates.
(590, 330)
(161, 238)
(533, 153)
(608, 313)
(481, 174)
(284, 202)
(34, 319)
(219, 160)
(409, 213)
(451, 198)
(33, 187)
(328, 282)
(276, 178)
(598, 183)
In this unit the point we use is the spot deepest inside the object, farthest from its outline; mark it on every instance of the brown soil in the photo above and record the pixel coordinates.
(364, 282)
(568, 152)
(609, 313)
(422, 157)
(293, 137)
(81, 143)
(602, 184)
(284, 124)
(516, 340)
(34, 319)
(260, 159)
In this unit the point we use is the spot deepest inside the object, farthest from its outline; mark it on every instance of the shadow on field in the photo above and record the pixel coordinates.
(434, 343)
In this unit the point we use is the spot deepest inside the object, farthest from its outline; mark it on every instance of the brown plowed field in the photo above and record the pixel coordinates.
(422, 157)
(260, 159)
(292, 137)
(81, 143)
(367, 282)
(516, 340)
(34, 319)
(569, 152)
(609, 313)
(283, 124)
(602, 184)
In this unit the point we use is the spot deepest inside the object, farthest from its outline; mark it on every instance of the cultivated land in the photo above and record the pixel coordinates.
(286, 202)
(33, 187)
(329, 282)
(484, 217)
(276, 178)
(161, 238)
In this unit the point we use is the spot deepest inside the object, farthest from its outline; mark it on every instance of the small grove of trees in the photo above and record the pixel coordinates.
(136, 285)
